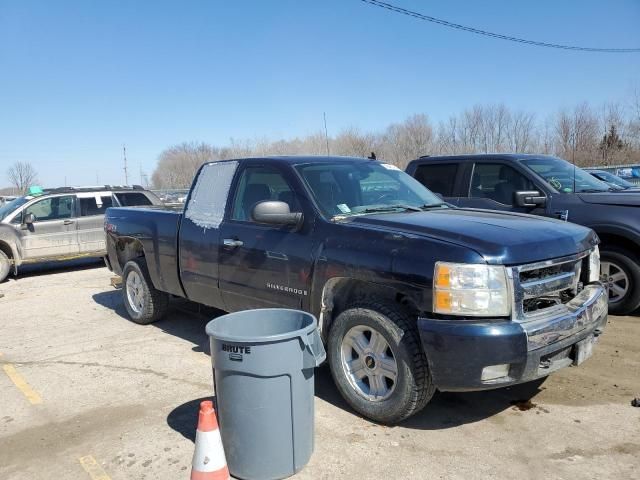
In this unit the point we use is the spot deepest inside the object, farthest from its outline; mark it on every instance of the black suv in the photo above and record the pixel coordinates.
(552, 187)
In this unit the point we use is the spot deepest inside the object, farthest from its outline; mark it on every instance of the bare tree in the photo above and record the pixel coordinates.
(177, 165)
(405, 141)
(22, 175)
(521, 132)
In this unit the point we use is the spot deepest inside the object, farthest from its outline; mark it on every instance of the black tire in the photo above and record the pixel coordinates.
(153, 303)
(628, 263)
(412, 388)
(5, 266)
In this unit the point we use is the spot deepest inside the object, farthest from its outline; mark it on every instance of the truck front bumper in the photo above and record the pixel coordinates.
(467, 355)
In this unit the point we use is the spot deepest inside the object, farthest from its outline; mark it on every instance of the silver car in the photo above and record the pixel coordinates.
(59, 224)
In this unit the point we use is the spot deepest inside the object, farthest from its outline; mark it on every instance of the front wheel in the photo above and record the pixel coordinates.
(620, 267)
(377, 362)
(144, 303)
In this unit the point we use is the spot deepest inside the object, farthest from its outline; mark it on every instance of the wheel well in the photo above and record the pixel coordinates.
(617, 240)
(338, 293)
(6, 249)
(128, 249)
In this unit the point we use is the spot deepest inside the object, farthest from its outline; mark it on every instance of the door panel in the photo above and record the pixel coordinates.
(53, 234)
(492, 186)
(90, 228)
(199, 233)
(267, 267)
(263, 265)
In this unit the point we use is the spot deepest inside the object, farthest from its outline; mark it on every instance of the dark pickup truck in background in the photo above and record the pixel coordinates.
(411, 294)
(551, 187)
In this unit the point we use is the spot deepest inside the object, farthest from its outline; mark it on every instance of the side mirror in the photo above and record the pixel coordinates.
(529, 198)
(29, 218)
(273, 212)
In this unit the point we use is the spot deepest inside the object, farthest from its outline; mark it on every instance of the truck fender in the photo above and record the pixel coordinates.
(339, 292)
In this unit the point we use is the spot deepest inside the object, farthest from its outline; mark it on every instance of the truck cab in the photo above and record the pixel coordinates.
(551, 187)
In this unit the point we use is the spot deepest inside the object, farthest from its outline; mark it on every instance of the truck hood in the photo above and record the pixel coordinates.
(500, 238)
(627, 199)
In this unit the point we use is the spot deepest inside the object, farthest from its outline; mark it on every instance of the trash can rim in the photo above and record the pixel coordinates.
(263, 338)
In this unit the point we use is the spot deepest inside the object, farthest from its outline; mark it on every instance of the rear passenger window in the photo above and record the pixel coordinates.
(131, 199)
(94, 205)
(439, 178)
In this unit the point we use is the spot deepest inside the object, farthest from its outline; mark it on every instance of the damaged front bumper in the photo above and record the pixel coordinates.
(466, 355)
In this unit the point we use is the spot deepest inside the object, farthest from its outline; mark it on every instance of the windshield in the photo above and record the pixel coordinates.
(563, 176)
(614, 179)
(12, 206)
(351, 188)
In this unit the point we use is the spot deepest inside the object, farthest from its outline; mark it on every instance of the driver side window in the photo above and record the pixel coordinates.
(258, 184)
(52, 208)
(497, 182)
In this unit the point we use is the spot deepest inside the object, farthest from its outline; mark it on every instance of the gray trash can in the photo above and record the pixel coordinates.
(263, 362)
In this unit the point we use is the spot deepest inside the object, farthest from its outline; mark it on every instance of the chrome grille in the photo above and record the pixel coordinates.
(543, 287)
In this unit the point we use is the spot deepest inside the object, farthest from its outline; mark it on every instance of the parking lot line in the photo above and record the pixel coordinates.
(33, 396)
(93, 468)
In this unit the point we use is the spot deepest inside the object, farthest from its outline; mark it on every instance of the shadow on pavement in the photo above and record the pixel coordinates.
(185, 319)
(446, 409)
(184, 418)
(46, 268)
(188, 320)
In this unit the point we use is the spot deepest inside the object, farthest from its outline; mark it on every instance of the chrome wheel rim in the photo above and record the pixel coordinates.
(135, 292)
(368, 363)
(617, 281)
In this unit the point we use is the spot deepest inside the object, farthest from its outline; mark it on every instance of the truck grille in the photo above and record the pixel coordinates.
(540, 288)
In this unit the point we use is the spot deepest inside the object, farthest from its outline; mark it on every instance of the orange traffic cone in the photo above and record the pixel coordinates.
(209, 462)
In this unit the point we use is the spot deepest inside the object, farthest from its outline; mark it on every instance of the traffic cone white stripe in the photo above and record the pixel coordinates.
(209, 453)
(209, 462)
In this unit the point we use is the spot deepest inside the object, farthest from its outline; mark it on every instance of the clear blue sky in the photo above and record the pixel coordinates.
(80, 78)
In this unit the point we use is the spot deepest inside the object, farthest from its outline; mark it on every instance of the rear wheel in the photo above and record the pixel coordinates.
(377, 362)
(623, 278)
(5, 266)
(144, 303)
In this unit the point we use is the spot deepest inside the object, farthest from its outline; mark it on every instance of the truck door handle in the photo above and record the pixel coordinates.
(231, 242)
(67, 222)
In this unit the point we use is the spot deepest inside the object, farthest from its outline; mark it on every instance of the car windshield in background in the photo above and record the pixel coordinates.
(614, 179)
(352, 188)
(565, 177)
(12, 206)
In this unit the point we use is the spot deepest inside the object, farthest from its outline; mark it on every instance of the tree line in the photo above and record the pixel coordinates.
(584, 135)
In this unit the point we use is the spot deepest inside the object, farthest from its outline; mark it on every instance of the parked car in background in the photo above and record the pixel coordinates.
(411, 294)
(551, 187)
(60, 223)
(613, 180)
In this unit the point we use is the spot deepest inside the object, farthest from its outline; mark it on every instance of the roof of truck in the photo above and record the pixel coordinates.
(479, 156)
(295, 159)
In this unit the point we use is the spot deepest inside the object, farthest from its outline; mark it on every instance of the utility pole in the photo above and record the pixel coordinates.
(326, 135)
(126, 173)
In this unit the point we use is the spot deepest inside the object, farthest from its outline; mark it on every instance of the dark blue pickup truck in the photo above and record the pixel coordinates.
(552, 187)
(412, 294)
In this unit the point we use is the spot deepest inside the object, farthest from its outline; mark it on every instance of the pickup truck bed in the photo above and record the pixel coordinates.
(156, 230)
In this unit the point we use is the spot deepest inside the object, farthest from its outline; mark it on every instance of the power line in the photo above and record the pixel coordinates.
(457, 26)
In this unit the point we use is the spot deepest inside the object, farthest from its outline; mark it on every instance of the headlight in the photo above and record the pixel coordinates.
(471, 290)
(594, 265)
